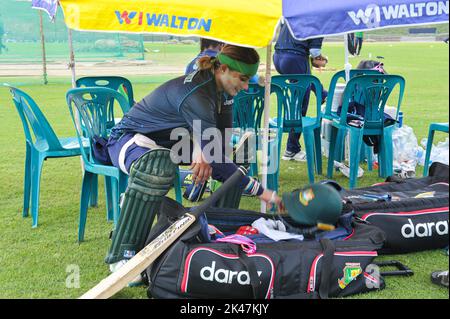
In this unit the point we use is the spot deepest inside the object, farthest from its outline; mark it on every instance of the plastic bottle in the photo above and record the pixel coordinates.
(400, 119)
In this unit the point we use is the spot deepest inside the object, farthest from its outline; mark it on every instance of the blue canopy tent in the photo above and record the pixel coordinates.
(310, 19)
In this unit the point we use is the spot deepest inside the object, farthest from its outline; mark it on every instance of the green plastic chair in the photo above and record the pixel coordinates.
(374, 90)
(248, 110)
(340, 75)
(123, 86)
(330, 115)
(41, 143)
(290, 95)
(120, 84)
(91, 104)
(442, 127)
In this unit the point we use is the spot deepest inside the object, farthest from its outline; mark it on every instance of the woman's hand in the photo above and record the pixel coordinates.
(201, 170)
(272, 199)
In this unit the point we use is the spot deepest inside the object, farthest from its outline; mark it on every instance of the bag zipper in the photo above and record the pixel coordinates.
(439, 210)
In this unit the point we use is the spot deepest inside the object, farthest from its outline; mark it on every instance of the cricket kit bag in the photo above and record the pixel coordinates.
(412, 212)
(202, 264)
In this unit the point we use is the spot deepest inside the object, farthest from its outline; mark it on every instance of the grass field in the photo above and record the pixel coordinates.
(38, 263)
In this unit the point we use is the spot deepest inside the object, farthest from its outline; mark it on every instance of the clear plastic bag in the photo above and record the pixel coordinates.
(406, 151)
(439, 152)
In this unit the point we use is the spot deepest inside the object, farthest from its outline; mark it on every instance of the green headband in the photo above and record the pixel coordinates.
(244, 68)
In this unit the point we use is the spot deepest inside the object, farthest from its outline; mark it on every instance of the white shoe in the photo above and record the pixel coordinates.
(135, 282)
(300, 156)
(345, 170)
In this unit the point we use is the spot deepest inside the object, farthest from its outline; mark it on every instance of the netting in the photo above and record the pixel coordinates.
(20, 38)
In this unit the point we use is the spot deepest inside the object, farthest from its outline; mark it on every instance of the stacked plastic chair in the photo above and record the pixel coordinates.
(118, 83)
(374, 90)
(291, 90)
(329, 114)
(123, 86)
(92, 105)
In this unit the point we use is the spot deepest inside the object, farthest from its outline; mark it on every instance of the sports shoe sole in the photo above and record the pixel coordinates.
(285, 158)
(439, 279)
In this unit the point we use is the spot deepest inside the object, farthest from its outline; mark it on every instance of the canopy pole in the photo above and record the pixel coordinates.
(347, 65)
(71, 58)
(265, 140)
(72, 70)
(44, 57)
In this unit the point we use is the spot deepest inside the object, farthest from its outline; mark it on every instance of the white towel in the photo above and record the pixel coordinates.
(274, 229)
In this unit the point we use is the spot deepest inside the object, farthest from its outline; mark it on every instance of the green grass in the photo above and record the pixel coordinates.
(34, 262)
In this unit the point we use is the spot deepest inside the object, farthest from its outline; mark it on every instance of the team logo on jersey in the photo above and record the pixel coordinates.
(190, 76)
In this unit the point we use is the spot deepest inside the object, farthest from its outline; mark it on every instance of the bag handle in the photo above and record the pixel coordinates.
(402, 270)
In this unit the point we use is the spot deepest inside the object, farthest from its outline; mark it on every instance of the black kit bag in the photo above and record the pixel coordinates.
(412, 212)
(195, 268)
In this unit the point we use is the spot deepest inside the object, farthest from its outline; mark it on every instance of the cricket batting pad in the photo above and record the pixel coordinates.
(151, 177)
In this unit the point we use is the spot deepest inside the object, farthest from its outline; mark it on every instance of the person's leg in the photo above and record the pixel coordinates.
(289, 63)
(151, 176)
(359, 42)
(293, 144)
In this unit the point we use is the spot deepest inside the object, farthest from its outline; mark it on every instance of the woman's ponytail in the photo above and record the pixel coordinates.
(207, 63)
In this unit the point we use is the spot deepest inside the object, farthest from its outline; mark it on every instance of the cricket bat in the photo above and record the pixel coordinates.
(119, 279)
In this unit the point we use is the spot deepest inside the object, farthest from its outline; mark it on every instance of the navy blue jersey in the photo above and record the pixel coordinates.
(174, 104)
(177, 103)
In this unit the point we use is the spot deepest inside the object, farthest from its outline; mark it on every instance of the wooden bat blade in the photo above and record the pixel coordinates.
(119, 279)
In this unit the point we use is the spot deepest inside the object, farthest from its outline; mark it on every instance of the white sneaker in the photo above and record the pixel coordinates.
(137, 281)
(300, 156)
(345, 170)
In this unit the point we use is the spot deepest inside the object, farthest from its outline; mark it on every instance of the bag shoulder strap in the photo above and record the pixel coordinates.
(328, 248)
(258, 293)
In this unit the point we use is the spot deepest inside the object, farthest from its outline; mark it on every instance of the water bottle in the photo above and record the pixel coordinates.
(400, 119)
